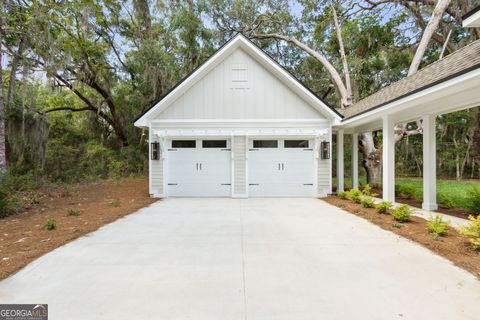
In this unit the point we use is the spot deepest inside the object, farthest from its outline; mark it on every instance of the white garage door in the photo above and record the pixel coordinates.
(198, 168)
(281, 168)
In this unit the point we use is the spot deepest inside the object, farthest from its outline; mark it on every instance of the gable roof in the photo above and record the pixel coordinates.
(238, 41)
(455, 64)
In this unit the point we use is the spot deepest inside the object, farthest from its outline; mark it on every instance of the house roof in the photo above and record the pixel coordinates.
(471, 12)
(459, 62)
(235, 42)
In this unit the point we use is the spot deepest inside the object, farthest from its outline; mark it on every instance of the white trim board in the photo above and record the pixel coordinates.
(473, 21)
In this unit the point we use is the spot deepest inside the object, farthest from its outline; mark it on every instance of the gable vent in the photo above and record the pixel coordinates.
(239, 76)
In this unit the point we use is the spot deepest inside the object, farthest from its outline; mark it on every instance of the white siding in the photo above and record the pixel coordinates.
(324, 174)
(239, 145)
(156, 172)
(239, 88)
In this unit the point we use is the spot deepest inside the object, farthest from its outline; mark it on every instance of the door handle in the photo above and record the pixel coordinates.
(200, 166)
(279, 166)
(197, 166)
(283, 167)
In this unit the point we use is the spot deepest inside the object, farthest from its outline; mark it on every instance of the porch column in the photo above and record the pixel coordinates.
(388, 158)
(355, 160)
(340, 166)
(429, 163)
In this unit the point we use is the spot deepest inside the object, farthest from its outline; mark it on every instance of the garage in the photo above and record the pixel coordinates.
(239, 126)
(198, 168)
(281, 168)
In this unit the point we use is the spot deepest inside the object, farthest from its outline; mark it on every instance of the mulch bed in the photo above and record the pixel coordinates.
(22, 238)
(457, 212)
(452, 247)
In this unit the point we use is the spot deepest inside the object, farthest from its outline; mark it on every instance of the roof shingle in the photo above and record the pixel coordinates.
(456, 63)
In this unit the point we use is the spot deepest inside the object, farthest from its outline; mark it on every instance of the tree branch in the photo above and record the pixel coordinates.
(68, 109)
(335, 76)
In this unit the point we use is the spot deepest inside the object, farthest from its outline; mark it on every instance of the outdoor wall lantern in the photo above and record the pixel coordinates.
(155, 150)
(325, 149)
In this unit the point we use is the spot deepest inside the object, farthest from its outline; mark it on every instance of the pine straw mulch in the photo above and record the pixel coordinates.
(22, 238)
(453, 247)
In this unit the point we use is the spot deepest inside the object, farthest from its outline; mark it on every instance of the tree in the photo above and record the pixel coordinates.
(371, 154)
(3, 150)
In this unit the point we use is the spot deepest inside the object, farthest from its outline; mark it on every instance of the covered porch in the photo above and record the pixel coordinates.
(449, 85)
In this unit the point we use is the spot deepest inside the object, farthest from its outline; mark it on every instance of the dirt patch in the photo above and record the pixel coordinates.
(452, 247)
(22, 238)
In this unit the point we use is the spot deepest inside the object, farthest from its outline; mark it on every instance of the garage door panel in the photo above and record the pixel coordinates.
(281, 172)
(198, 172)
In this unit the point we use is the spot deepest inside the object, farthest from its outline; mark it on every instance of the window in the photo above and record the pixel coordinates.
(265, 143)
(214, 143)
(184, 143)
(296, 144)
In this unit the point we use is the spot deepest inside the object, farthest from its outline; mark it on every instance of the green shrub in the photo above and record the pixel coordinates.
(408, 191)
(437, 226)
(473, 199)
(445, 200)
(50, 224)
(343, 195)
(367, 202)
(472, 232)
(367, 190)
(384, 206)
(73, 213)
(402, 213)
(354, 195)
(7, 205)
(115, 203)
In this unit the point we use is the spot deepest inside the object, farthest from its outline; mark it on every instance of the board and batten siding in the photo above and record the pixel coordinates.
(239, 88)
(239, 150)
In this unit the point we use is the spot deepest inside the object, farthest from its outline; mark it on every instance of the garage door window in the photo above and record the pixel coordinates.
(265, 143)
(296, 144)
(184, 143)
(214, 143)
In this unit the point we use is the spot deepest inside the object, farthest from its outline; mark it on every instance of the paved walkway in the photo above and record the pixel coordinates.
(245, 259)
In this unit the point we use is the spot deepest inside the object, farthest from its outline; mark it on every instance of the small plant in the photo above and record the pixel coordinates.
(407, 191)
(437, 226)
(367, 190)
(50, 224)
(472, 232)
(397, 225)
(383, 207)
(73, 213)
(6, 204)
(445, 200)
(473, 199)
(402, 213)
(367, 202)
(343, 195)
(115, 203)
(354, 195)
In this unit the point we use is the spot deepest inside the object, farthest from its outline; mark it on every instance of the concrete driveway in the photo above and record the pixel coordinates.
(244, 259)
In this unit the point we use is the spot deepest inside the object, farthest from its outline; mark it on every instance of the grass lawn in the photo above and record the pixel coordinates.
(456, 191)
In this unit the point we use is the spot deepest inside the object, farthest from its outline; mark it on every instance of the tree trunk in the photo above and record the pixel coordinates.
(3, 150)
(346, 72)
(427, 34)
(372, 159)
